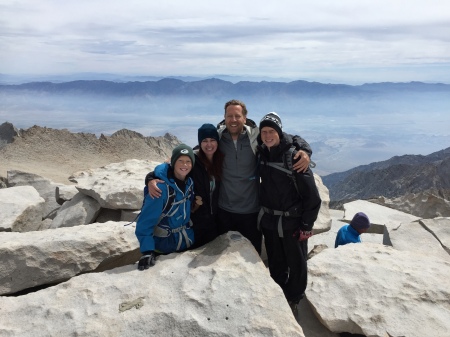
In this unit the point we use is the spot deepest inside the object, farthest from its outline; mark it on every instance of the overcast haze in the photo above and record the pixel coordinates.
(347, 41)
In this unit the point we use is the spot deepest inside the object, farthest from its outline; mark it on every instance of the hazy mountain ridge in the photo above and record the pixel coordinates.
(222, 88)
(346, 125)
(393, 178)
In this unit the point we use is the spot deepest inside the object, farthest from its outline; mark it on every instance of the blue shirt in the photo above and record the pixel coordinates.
(347, 234)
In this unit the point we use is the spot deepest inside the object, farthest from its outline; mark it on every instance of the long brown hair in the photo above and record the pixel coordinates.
(213, 168)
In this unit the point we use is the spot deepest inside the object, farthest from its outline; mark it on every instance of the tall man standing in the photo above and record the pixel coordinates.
(238, 196)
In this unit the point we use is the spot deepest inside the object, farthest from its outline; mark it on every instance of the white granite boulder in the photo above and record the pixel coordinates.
(44, 186)
(20, 209)
(375, 290)
(117, 185)
(80, 210)
(50, 256)
(222, 289)
(416, 238)
(323, 222)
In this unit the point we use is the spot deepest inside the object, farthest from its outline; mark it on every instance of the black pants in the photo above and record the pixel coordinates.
(287, 262)
(246, 224)
(203, 235)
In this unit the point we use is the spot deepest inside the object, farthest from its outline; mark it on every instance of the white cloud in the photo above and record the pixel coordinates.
(350, 40)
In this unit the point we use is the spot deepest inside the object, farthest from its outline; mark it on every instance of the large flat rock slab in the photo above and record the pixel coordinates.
(221, 289)
(375, 290)
(117, 185)
(379, 216)
(415, 237)
(440, 228)
(45, 257)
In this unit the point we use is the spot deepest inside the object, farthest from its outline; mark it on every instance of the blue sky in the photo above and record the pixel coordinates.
(346, 41)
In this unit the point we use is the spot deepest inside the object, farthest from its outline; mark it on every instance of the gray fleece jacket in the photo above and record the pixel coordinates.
(239, 187)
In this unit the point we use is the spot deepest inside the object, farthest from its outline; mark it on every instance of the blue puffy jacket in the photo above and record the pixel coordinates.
(172, 232)
(346, 234)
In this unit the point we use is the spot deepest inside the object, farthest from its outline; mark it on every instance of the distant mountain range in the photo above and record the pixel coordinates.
(346, 125)
(219, 88)
(393, 178)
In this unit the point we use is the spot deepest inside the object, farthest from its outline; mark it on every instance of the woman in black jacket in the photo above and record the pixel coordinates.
(206, 174)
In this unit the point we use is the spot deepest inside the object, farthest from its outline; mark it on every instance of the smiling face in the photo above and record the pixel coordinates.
(183, 165)
(269, 136)
(209, 146)
(234, 120)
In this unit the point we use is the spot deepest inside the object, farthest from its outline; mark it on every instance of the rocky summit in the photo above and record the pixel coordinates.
(69, 254)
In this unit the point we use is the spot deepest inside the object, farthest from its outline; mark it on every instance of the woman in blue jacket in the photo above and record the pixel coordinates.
(164, 223)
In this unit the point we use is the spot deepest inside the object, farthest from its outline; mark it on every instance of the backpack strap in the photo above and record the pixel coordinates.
(290, 213)
(287, 165)
(279, 166)
(167, 210)
(170, 209)
(171, 206)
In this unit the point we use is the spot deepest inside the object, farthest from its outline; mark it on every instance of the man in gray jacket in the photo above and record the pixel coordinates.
(238, 195)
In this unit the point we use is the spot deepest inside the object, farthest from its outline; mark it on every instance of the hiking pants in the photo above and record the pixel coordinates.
(287, 262)
(204, 235)
(246, 224)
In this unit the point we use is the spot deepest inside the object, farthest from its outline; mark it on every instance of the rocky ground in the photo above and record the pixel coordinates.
(57, 154)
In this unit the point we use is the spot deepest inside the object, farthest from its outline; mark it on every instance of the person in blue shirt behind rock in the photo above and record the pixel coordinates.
(164, 226)
(351, 233)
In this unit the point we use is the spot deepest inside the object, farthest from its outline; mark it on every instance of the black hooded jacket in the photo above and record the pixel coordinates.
(277, 190)
(205, 215)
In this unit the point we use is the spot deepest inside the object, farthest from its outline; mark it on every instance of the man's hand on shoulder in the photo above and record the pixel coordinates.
(303, 163)
(154, 190)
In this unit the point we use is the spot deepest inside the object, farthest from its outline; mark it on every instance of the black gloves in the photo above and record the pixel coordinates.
(147, 260)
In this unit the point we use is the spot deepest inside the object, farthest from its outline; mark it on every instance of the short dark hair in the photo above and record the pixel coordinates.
(236, 102)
